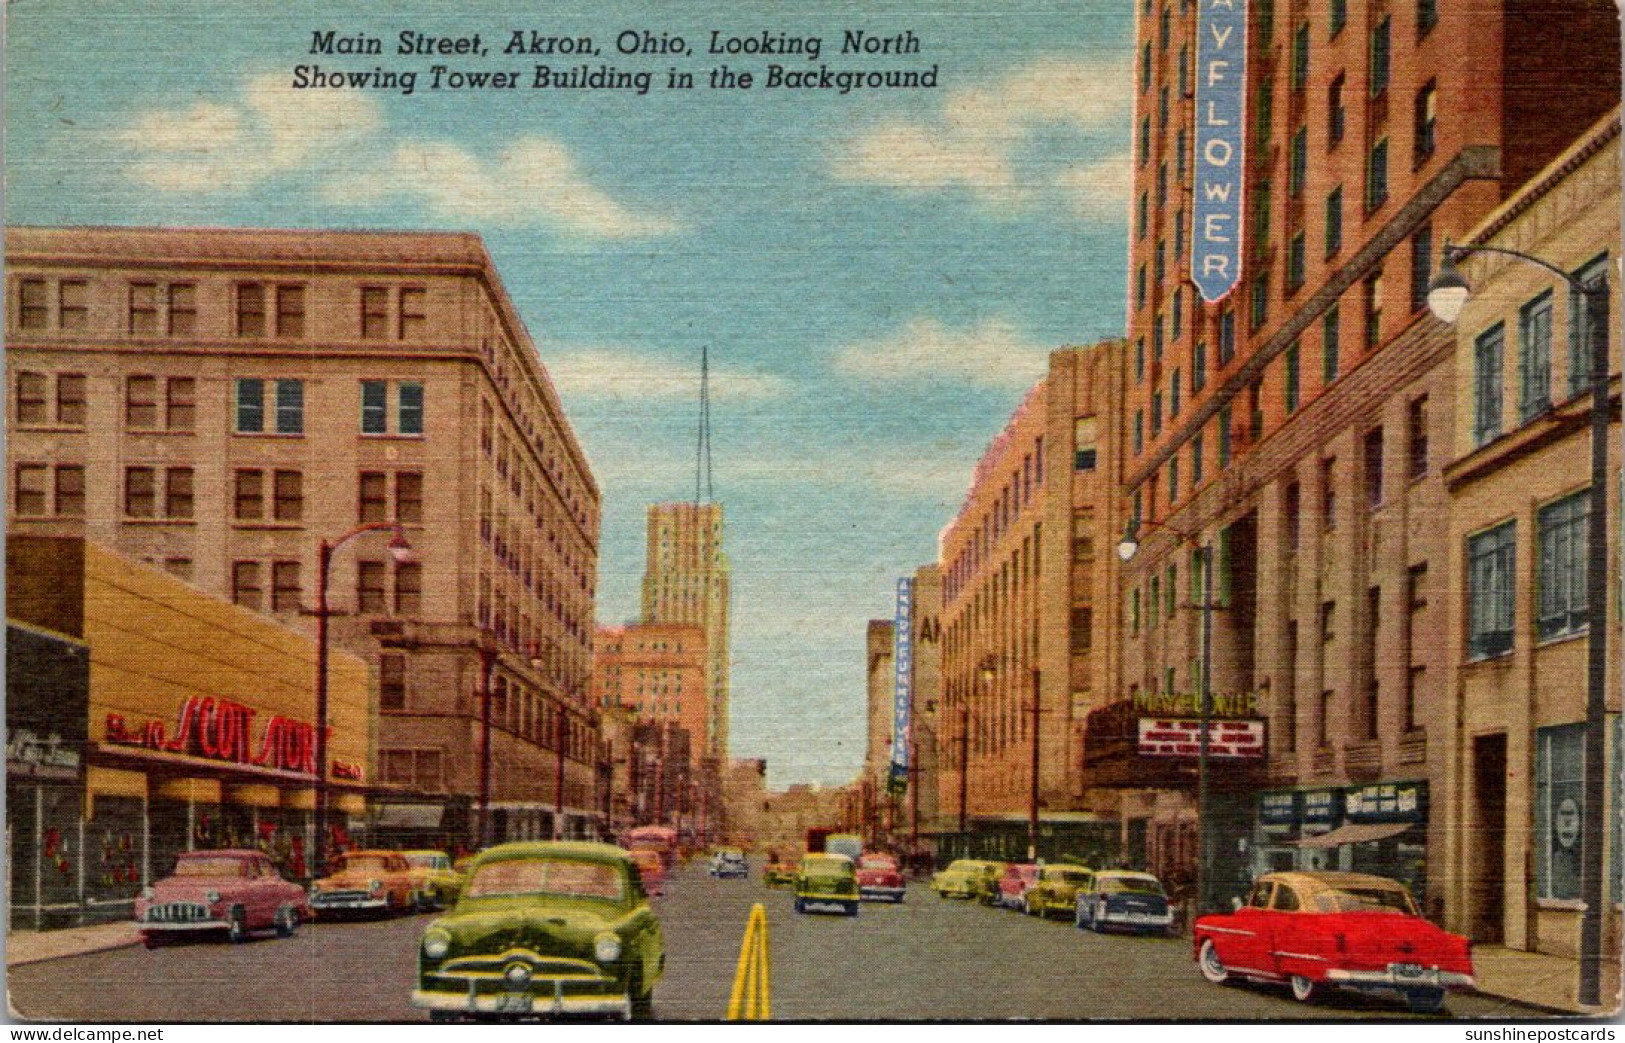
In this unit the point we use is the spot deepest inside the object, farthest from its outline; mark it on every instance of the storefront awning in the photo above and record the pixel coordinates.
(1356, 833)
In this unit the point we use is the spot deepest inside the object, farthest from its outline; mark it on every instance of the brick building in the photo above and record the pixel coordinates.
(687, 579)
(221, 401)
(656, 672)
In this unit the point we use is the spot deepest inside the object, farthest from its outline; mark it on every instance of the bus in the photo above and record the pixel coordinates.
(660, 839)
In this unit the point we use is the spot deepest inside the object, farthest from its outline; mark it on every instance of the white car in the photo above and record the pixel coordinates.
(729, 863)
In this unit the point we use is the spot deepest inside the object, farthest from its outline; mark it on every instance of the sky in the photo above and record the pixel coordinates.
(879, 276)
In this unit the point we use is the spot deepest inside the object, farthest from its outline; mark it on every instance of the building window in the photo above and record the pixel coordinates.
(245, 585)
(1488, 352)
(143, 314)
(1291, 516)
(70, 491)
(73, 304)
(1490, 591)
(33, 304)
(182, 309)
(374, 497)
(1292, 378)
(1139, 431)
(29, 494)
(1173, 479)
(1261, 217)
(288, 488)
(1083, 630)
(250, 406)
(290, 311)
(1179, 233)
(1083, 436)
(409, 497)
(1334, 221)
(1300, 57)
(1427, 120)
(1295, 263)
(1199, 367)
(1173, 395)
(1153, 602)
(1141, 216)
(374, 312)
(1427, 16)
(140, 492)
(1587, 332)
(1196, 461)
(1180, 151)
(1145, 141)
(289, 405)
(1328, 346)
(178, 493)
(1535, 357)
(249, 495)
(1139, 287)
(1134, 611)
(392, 682)
(1328, 493)
(1139, 360)
(1162, 110)
(1162, 191)
(369, 586)
(250, 309)
(1560, 810)
(1380, 55)
(1260, 303)
(1263, 114)
(141, 402)
(1224, 436)
(1337, 17)
(1145, 66)
(1227, 336)
(1298, 172)
(1560, 583)
(408, 588)
(180, 404)
(1417, 426)
(1157, 338)
(1373, 468)
(285, 586)
(414, 317)
(1421, 267)
(1185, 72)
(374, 407)
(1156, 413)
(1373, 311)
(1336, 112)
(1177, 321)
(32, 399)
(1376, 176)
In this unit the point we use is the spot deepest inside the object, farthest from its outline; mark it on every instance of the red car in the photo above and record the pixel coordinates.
(234, 892)
(879, 877)
(1316, 931)
(1011, 888)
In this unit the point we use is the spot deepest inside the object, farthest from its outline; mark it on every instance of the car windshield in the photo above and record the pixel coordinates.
(1070, 876)
(366, 864)
(209, 867)
(1137, 885)
(826, 867)
(1355, 899)
(964, 866)
(524, 876)
(877, 863)
(428, 861)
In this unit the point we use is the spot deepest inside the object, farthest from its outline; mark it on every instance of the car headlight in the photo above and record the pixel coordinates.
(149, 893)
(606, 948)
(375, 885)
(212, 897)
(436, 943)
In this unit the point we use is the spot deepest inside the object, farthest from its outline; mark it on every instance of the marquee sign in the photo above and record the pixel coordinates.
(220, 729)
(1182, 737)
(1189, 704)
(903, 657)
(1221, 91)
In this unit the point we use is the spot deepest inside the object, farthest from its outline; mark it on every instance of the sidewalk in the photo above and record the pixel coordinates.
(33, 946)
(1549, 982)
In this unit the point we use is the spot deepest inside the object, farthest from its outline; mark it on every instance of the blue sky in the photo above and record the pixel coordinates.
(879, 276)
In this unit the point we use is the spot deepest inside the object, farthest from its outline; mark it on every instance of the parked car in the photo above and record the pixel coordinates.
(378, 882)
(1117, 898)
(729, 864)
(437, 883)
(544, 927)
(1011, 887)
(233, 892)
(651, 870)
(964, 877)
(779, 872)
(1055, 890)
(1320, 930)
(825, 880)
(987, 883)
(880, 878)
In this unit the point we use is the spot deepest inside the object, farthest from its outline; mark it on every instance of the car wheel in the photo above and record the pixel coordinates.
(152, 939)
(801, 906)
(851, 908)
(237, 925)
(1212, 968)
(643, 1002)
(1303, 990)
(1097, 918)
(1425, 1001)
(287, 921)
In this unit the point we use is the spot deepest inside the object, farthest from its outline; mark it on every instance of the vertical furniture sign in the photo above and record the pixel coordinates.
(1221, 92)
(903, 657)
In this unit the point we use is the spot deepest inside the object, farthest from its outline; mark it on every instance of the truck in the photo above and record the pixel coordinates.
(816, 836)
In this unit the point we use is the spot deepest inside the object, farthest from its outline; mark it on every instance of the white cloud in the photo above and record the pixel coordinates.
(619, 373)
(531, 182)
(991, 353)
(211, 147)
(975, 140)
(1100, 189)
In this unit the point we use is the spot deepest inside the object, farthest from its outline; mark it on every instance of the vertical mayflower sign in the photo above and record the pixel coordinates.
(903, 657)
(1221, 91)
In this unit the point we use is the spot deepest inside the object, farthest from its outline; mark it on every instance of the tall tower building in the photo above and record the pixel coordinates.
(686, 579)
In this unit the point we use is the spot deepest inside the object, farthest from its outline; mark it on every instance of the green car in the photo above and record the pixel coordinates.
(544, 928)
(827, 880)
(1055, 890)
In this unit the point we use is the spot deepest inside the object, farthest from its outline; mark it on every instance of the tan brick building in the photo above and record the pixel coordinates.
(656, 672)
(1295, 427)
(1026, 585)
(1517, 471)
(220, 401)
(687, 579)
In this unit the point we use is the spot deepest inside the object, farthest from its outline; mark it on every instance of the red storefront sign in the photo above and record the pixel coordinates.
(220, 729)
(1182, 737)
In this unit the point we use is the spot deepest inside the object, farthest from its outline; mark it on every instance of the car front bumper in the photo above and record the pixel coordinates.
(195, 925)
(344, 905)
(877, 891)
(1122, 919)
(522, 1003)
(1427, 978)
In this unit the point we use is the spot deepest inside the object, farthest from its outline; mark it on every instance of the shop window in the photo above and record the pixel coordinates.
(1491, 589)
(1560, 810)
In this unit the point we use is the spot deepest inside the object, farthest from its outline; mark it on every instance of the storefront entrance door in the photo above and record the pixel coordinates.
(1487, 841)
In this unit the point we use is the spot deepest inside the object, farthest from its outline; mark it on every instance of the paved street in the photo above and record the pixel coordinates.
(926, 958)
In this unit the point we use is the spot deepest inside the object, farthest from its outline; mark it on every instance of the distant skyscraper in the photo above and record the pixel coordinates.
(686, 579)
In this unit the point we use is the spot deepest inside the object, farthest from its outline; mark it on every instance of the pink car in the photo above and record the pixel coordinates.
(235, 892)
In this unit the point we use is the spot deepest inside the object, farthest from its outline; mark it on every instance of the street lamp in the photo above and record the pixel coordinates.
(1447, 293)
(401, 552)
(1127, 547)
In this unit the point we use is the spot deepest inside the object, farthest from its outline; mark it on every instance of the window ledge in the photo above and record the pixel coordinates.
(161, 431)
(1558, 639)
(267, 434)
(1563, 905)
(1502, 659)
(52, 429)
(274, 526)
(389, 436)
(158, 521)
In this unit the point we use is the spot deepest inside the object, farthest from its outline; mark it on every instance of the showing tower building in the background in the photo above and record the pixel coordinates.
(686, 580)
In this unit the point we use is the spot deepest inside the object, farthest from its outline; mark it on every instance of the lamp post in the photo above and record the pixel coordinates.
(964, 761)
(401, 552)
(487, 647)
(561, 732)
(1447, 292)
(1126, 549)
(1032, 796)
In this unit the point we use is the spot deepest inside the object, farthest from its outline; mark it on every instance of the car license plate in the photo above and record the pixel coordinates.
(1406, 970)
(514, 1003)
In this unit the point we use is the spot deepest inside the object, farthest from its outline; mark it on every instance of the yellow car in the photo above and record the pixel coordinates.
(827, 880)
(967, 878)
(1055, 890)
(437, 882)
